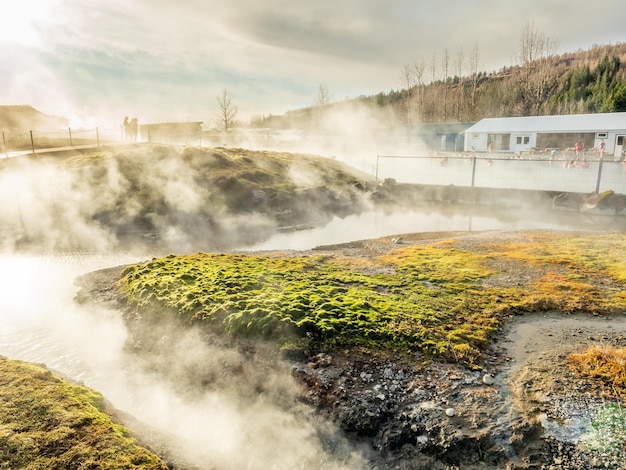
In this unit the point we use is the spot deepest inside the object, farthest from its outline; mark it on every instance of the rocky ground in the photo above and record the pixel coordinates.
(524, 409)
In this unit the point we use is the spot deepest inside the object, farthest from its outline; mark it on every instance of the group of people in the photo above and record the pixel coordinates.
(130, 129)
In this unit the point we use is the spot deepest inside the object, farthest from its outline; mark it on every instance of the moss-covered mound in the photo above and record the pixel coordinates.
(210, 198)
(47, 423)
(444, 299)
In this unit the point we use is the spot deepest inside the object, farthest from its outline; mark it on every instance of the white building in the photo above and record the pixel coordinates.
(539, 133)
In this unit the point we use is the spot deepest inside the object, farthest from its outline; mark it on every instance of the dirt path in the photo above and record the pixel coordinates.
(526, 336)
(579, 426)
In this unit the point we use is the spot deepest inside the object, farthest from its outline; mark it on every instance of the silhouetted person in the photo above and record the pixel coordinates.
(126, 129)
(134, 129)
(602, 148)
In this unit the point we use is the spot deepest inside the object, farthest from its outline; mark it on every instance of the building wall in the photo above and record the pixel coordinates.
(525, 134)
(525, 142)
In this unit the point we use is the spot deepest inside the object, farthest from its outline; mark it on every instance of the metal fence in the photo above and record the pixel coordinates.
(502, 172)
(36, 141)
(14, 144)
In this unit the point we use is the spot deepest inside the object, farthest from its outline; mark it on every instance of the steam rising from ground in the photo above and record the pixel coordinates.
(94, 208)
(216, 406)
(212, 405)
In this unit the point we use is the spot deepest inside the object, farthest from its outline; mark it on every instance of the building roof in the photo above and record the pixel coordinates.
(440, 127)
(600, 122)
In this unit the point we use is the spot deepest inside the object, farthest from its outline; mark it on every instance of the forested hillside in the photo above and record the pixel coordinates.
(540, 83)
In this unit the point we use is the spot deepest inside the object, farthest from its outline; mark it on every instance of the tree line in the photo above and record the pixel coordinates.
(453, 88)
(541, 82)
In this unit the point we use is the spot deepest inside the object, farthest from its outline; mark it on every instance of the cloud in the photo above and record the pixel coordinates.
(169, 60)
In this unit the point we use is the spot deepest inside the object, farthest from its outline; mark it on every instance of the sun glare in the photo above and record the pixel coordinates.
(22, 21)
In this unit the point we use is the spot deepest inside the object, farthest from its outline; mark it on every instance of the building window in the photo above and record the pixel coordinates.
(522, 140)
(500, 141)
(602, 135)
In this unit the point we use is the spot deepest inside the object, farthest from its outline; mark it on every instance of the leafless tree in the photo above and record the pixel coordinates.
(535, 58)
(407, 84)
(418, 73)
(323, 97)
(474, 70)
(445, 68)
(433, 67)
(460, 95)
(227, 114)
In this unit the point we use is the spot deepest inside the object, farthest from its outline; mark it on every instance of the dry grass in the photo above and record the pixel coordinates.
(606, 365)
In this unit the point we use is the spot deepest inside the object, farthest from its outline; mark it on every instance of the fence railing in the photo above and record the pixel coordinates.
(37, 141)
(502, 172)
(13, 143)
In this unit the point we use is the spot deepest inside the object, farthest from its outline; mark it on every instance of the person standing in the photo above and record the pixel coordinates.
(580, 147)
(134, 129)
(602, 148)
(125, 130)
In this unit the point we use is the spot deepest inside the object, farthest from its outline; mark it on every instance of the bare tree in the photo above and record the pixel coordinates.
(534, 45)
(432, 95)
(460, 98)
(323, 97)
(433, 67)
(227, 114)
(407, 83)
(535, 59)
(474, 66)
(445, 67)
(418, 73)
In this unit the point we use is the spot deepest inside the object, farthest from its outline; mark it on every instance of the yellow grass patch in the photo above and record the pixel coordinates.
(606, 364)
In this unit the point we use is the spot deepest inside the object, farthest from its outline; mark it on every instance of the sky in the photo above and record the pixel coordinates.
(96, 61)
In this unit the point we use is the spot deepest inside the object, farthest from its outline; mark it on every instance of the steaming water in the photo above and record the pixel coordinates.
(41, 323)
(379, 223)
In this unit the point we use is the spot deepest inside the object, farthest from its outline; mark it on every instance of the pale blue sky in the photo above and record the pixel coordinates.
(164, 60)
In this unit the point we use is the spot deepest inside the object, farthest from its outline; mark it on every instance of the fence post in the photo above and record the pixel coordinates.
(4, 145)
(69, 129)
(599, 176)
(473, 169)
(97, 138)
(32, 142)
(377, 156)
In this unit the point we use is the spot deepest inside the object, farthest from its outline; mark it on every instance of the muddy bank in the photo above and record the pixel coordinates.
(525, 409)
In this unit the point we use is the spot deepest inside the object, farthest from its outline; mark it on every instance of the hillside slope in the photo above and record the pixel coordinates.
(170, 198)
(20, 119)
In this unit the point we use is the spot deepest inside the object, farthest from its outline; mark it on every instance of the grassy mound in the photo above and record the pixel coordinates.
(208, 198)
(439, 299)
(48, 423)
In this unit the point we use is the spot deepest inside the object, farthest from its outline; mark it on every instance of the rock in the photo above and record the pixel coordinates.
(488, 379)
(450, 412)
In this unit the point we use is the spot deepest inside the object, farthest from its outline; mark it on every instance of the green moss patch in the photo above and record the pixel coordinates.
(48, 423)
(428, 299)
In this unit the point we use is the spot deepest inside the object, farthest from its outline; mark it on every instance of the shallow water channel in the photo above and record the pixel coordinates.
(41, 323)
